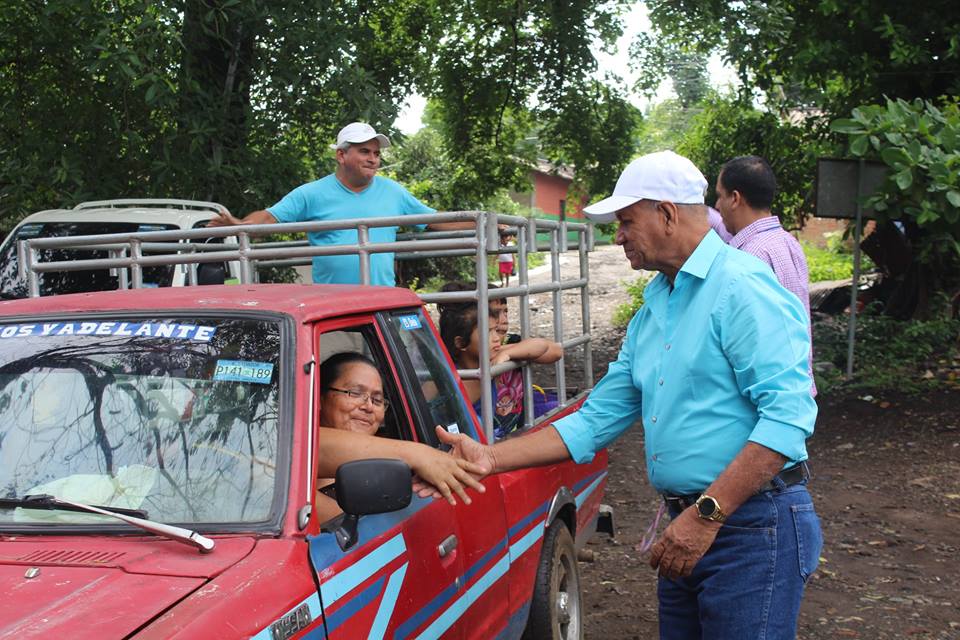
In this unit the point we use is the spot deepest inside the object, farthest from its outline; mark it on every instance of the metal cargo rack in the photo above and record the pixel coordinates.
(131, 252)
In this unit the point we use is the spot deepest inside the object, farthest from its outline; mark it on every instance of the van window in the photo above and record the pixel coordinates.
(11, 286)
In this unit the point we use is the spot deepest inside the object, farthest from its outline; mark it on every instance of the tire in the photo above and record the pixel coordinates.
(556, 611)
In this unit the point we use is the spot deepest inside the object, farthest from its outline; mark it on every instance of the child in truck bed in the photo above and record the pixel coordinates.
(460, 334)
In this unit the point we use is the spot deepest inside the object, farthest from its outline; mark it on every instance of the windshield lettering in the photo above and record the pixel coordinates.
(197, 333)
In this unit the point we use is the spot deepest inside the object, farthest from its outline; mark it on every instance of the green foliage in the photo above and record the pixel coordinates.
(664, 126)
(890, 355)
(625, 312)
(920, 143)
(239, 101)
(826, 54)
(832, 263)
(727, 127)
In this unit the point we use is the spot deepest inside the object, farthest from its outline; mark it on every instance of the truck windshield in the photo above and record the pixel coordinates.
(11, 286)
(176, 417)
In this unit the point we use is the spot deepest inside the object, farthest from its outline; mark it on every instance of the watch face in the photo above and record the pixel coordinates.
(707, 507)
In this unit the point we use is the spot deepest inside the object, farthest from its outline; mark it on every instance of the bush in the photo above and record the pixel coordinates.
(832, 263)
(890, 355)
(625, 312)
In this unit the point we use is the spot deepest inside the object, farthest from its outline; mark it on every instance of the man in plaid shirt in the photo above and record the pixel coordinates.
(745, 190)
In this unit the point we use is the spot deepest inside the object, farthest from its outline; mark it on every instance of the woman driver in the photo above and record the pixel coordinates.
(352, 393)
(351, 399)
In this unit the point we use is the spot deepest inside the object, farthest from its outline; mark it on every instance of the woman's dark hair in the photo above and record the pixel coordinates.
(332, 367)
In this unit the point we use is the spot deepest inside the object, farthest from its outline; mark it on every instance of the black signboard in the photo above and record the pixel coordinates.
(840, 182)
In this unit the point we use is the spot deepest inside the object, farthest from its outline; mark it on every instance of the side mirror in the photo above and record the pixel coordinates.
(366, 487)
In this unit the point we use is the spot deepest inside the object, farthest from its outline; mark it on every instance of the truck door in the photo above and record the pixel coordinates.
(480, 603)
(395, 581)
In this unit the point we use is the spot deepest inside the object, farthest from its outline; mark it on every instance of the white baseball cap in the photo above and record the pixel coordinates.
(357, 132)
(663, 175)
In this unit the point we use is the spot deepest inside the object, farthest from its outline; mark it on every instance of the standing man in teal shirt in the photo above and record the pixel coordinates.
(353, 191)
(715, 366)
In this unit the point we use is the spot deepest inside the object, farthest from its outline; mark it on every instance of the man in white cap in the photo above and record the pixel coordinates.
(715, 366)
(353, 191)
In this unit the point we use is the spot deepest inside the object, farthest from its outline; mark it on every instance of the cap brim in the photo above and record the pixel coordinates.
(382, 139)
(606, 210)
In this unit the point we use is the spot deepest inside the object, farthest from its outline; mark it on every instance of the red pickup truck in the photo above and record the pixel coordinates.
(188, 417)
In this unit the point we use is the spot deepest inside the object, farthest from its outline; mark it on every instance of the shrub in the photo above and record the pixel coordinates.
(832, 263)
(890, 354)
(625, 312)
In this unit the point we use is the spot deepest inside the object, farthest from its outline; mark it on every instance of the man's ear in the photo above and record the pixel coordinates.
(736, 198)
(669, 214)
(458, 343)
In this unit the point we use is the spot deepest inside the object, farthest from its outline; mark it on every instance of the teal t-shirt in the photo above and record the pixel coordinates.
(327, 199)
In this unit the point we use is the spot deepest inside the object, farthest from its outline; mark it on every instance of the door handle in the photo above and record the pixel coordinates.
(446, 547)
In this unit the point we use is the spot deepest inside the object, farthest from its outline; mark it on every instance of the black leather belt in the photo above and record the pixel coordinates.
(793, 475)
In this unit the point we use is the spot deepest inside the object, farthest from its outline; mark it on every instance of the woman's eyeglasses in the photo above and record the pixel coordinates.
(362, 396)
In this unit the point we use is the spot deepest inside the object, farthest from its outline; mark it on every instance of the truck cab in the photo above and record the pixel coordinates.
(198, 409)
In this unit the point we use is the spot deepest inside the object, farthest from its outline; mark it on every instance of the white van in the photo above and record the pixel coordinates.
(104, 217)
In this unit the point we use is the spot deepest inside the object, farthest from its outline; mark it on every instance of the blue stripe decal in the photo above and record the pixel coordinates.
(585, 481)
(523, 524)
(358, 573)
(518, 548)
(405, 629)
(457, 609)
(516, 624)
(482, 562)
(353, 605)
(325, 552)
(441, 599)
(387, 604)
(588, 491)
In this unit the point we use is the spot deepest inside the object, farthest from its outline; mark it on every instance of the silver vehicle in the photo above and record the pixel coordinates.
(106, 217)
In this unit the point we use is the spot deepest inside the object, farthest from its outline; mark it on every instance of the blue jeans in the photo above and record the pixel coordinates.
(750, 582)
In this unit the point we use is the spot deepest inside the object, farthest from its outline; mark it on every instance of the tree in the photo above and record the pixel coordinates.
(823, 53)
(728, 127)
(920, 143)
(238, 101)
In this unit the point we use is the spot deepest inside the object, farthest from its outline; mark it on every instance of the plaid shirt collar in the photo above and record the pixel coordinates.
(767, 223)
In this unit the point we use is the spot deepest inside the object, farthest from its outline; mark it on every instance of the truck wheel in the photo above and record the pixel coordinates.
(556, 609)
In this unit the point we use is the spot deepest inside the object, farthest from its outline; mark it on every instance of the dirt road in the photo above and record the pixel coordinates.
(886, 485)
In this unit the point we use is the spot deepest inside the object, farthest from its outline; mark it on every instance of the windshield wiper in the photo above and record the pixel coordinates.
(44, 501)
(179, 534)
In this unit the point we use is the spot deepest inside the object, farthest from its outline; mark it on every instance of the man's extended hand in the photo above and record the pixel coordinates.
(475, 457)
(682, 545)
(224, 219)
(440, 474)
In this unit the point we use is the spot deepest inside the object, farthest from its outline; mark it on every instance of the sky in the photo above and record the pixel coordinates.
(635, 21)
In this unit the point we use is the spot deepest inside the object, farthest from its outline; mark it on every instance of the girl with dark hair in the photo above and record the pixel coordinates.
(460, 335)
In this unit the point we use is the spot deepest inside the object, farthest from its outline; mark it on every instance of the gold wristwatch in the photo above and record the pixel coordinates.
(709, 509)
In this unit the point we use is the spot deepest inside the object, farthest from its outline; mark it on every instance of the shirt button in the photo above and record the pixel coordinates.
(667, 347)
(660, 382)
(654, 457)
(653, 419)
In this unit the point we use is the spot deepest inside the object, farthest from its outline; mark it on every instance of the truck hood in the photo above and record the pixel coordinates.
(91, 588)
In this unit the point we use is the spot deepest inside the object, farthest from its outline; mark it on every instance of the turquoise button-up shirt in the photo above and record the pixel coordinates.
(716, 361)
